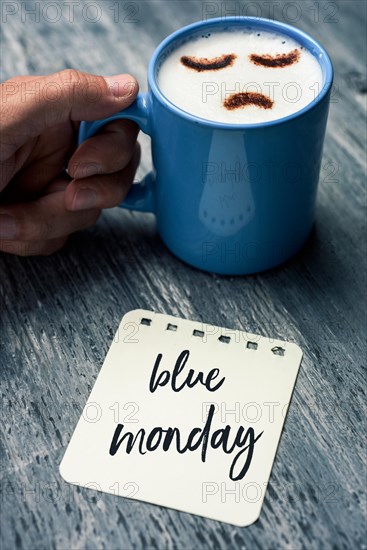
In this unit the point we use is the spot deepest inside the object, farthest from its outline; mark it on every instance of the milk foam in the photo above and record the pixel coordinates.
(204, 93)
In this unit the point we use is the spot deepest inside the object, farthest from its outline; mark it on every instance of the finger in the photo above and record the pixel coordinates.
(31, 106)
(102, 191)
(33, 180)
(32, 248)
(43, 219)
(107, 152)
(58, 184)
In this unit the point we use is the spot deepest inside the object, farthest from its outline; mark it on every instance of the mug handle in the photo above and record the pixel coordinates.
(140, 196)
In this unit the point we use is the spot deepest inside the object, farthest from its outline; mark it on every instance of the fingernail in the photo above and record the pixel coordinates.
(121, 85)
(8, 226)
(86, 169)
(84, 199)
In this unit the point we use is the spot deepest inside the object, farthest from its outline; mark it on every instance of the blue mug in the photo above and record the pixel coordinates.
(202, 216)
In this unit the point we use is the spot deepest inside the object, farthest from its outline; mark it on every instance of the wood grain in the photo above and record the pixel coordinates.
(60, 313)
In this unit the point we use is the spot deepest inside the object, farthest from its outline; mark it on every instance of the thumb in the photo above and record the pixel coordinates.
(32, 104)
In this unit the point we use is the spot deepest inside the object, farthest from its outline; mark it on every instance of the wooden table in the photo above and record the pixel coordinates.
(59, 313)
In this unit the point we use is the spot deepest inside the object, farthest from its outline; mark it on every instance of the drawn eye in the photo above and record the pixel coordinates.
(201, 64)
(276, 61)
(242, 99)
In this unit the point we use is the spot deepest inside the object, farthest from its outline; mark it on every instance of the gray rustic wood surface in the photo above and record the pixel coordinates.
(59, 313)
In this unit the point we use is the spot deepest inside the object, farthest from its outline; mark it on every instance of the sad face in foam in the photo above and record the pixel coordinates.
(242, 99)
(241, 76)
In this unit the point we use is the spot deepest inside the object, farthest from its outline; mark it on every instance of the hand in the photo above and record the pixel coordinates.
(40, 203)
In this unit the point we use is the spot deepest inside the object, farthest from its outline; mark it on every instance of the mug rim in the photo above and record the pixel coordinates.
(295, 33)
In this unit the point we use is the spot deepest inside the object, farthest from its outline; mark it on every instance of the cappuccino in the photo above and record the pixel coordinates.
(241, 76)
